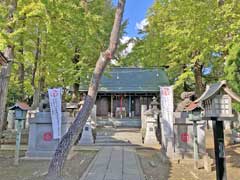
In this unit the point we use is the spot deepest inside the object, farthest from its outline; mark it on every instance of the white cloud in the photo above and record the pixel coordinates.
(125, 39)
(141, 25)
(130, 44)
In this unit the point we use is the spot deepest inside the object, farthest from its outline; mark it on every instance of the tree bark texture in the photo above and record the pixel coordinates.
(220, 2)
(6, 70)
(67, 141)
(36, 95)
(4, 81)
(21, 75)
(75, 94)
(199, 87)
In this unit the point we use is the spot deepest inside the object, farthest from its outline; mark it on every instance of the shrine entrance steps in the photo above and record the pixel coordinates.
(125, 122)
(118, 136)
(115, 163)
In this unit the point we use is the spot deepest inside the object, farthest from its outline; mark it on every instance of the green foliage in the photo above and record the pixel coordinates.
(181, 33)
(61, 27)
(232, 71)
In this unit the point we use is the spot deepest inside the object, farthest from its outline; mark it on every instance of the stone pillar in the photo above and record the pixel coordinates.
(10, 119)
(143, 117)
(129, 106)
(111, 105)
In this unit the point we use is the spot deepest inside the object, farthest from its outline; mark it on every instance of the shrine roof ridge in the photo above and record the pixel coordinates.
(131, 79)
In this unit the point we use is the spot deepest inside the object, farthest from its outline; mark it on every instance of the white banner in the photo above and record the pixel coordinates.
(55, 102)
(166, 94)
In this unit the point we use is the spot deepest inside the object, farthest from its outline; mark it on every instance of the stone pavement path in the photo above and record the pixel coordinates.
(115, 163)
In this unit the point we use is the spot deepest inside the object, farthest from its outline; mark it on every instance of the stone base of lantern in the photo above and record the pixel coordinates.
(150, 136)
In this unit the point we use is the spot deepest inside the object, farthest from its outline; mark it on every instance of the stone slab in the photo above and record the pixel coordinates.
(115, 163)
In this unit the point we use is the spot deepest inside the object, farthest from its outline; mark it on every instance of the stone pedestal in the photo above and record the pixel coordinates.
(143, 117)
(167, 137)
(184, 136)
(41, 143)
(150, 137)
(87, 135)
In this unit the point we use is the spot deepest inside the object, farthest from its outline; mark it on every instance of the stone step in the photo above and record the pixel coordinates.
(114, 144)
(127, 123)
(105, 133)
(110, 141)
(13, 141)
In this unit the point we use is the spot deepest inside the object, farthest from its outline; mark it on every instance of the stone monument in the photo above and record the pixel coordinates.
(88, 132)
(41, 143)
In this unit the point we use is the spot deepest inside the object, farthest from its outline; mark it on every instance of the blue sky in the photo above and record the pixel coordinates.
(135, 12)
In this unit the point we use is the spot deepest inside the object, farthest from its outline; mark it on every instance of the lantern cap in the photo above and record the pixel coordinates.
(214, 89)
(154, 101)
(21, 105)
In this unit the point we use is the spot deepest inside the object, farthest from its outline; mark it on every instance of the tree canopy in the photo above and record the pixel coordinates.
(190, 37)
(47, 36)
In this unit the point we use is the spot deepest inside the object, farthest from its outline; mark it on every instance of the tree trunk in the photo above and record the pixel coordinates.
(75, 60)
(67, 141)
(37, 92)
(199, 87)
(220, 2)
(4, 81)
(21, 74)
(36, 95)
(75, 94)
(6, 70)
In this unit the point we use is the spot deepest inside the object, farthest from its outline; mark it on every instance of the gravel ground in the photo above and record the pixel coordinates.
(155, 167)
(36, 169)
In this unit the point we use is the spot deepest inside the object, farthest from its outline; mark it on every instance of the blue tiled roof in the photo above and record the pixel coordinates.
(131, 80)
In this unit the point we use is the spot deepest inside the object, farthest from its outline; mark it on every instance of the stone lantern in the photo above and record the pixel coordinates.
(217, 104)
(20, 115)
(151, 123)
(154, 104)
(217, 100)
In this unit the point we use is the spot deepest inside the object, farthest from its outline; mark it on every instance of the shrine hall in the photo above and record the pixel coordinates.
(122, 91)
